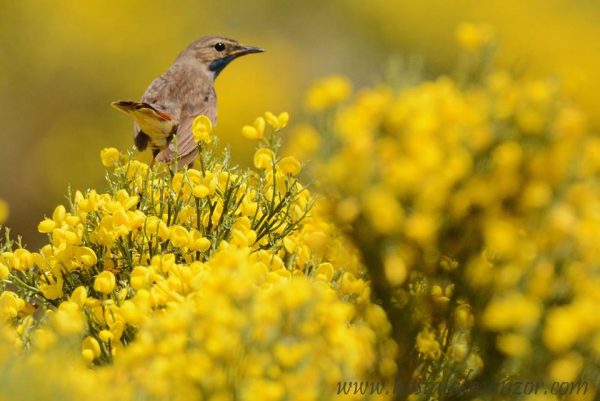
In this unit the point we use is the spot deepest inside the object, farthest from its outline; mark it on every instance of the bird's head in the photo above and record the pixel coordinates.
(215, 52)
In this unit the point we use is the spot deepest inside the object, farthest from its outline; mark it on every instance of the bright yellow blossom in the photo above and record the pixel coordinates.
(46, 226)
(4, 271)
(513, 344)
(105, 282)
(200, 191)
(256, 130)
(428, 345)
(567, 368)
(68, 319)
(201, 129)
(513, 310)
(278, 122)
(289, 165)
(10, 305)
(263, 158)
(179, 236)
(90, 349)
(110, 157)
(327, 92)
(395, 269)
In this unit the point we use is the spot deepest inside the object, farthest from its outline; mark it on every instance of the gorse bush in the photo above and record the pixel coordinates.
(212, 282)
(475, 203)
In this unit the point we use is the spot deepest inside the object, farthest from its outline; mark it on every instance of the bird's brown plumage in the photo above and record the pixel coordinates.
(164, 115)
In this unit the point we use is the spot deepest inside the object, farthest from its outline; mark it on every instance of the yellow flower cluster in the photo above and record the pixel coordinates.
(473, 202)
(212, 282)
(328, 92)
(254, 330)
(257, 129)
(53, 374)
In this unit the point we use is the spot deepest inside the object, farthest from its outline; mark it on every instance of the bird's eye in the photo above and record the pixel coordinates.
(219, 47)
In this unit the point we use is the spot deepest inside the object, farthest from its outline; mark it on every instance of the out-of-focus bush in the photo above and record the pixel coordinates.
(475, 203)
(63, 63)
(550, 37)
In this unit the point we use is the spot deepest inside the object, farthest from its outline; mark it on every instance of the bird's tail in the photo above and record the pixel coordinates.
(129, 106)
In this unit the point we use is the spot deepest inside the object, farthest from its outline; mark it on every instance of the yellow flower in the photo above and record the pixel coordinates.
(283, 118)
(290, 355)
(4, 271)
(46, 226)
(561, 330)
(3, 211)
(327, 92)
(201, 128)
(277, 122)
(179, 236)
(502, 237)
(350, 284)
(474, 36)
(255, 131)
(421, 227)
(347, 210)
(395, 269)
(513, 310)
(68, 319)
(513, 344)
(140, 277)
(304, 142)
(10, 305)
(23, 259)
(126, 200)
(289, 165)
(86, 256)
(54, 288)
(325, 271)
(59, 214)
(383, 211)
(105, 335)
(263, 158)
(105, 282)
(567, 368)
(109, 157)
(88, 203)
(130, 313)
(198, 242)
(428, 345)
(79, 295)
(90, 349)
(250, 132)
(200, 191)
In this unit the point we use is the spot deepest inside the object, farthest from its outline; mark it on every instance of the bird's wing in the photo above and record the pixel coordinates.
(160, 96)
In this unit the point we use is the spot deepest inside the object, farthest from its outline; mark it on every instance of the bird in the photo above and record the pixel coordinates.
(163, 117)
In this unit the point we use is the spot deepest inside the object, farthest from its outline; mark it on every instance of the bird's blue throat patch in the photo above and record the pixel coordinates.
(217, 66)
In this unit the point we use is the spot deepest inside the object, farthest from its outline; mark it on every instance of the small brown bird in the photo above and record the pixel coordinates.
(185, 91)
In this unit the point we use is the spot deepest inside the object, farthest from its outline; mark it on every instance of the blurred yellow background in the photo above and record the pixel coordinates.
(62, 63)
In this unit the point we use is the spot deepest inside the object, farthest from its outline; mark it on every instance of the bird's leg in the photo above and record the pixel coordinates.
(154, 154)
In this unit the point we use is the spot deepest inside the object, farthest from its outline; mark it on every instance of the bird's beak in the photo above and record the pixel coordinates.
(247, 50)
(217, 66)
